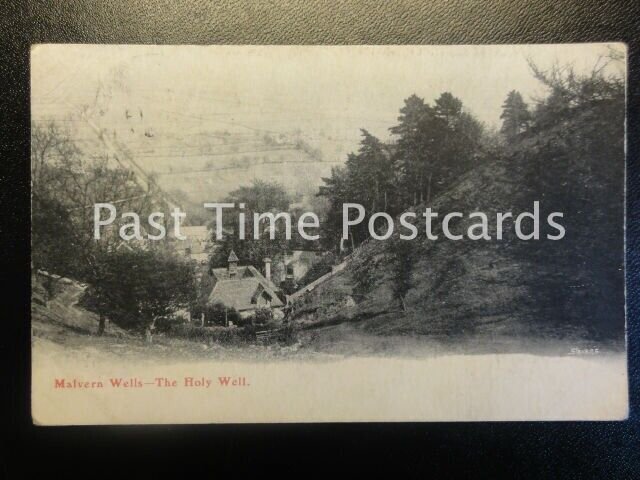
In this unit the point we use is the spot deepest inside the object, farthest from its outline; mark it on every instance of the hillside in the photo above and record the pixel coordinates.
(492, 291)
(214, 183)
(461, 286)
(568, 158)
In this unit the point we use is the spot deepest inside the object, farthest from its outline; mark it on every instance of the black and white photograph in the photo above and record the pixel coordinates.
(328, 233)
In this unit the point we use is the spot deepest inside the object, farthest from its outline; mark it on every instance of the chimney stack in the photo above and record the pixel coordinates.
(267, 268)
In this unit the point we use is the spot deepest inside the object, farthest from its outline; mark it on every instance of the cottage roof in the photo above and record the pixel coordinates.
(248, 271)
(241, 290)
(242, 293)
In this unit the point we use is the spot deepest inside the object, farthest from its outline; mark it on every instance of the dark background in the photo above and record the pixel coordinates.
(592, 450)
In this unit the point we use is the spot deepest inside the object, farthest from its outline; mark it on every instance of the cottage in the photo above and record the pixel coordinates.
(244, 288)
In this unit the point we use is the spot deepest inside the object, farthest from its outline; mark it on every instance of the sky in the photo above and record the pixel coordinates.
(325, 93)
(330, 83)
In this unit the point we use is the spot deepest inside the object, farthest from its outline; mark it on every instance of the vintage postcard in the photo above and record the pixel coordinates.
(233, 234)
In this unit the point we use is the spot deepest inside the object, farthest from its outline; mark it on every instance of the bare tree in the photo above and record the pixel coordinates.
(66, 183)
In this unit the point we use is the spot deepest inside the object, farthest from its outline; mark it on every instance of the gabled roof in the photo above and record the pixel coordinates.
(248, 271)
(242, 293)
(239, 290)
(259, 291)
(232, 257)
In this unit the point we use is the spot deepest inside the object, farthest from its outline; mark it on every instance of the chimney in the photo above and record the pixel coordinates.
(267, 268)
(290, 271)
(233, 264)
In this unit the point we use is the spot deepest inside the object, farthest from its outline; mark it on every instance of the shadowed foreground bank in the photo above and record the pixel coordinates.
(63, 327)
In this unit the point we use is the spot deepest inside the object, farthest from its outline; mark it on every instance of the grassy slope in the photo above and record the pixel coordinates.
(61, 314)
(471, 289)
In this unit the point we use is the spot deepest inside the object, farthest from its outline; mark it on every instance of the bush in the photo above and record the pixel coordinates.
(262, 316)
(132, 287)
(221, 335)
(288, 334)
(319, 268)
(243, 322)
(216, 314)
(166, 324)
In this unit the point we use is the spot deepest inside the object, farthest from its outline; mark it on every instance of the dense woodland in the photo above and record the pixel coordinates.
(432, 147)
(565, 150)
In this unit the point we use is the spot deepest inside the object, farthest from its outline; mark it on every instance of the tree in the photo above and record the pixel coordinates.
(401, 261)
(53, 246)
(259, 197)
(369, 173)
(66, 183)
(336, 190)
(572, 157)
(458, 146)
(434, 147)
(367, 179)
(414, 148)
(448, 108)
(135, 287)
(515, 115)
(65, 176)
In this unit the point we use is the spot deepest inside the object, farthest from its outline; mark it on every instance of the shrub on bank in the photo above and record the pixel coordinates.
(221, 335)
(262, 317)
(216, 314)
(168, 323)
(236, 336)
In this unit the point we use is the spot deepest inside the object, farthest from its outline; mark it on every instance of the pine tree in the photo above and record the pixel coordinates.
(448, 108)
(515, 115)
(416, 137)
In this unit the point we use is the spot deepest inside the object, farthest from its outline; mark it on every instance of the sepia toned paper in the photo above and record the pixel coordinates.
(516, 311)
